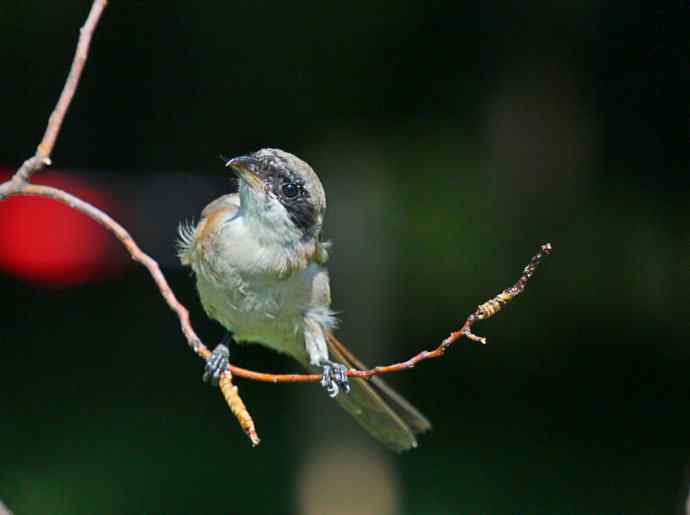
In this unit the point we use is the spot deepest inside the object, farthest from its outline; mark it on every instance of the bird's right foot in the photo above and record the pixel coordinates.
(334, 378)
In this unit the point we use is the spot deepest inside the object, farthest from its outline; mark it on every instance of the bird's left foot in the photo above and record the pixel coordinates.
(334, 378)
(216, 364)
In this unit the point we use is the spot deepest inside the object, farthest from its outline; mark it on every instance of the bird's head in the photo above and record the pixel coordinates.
(281, 195)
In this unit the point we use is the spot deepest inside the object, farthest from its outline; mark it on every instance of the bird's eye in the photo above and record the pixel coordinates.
(290, 189)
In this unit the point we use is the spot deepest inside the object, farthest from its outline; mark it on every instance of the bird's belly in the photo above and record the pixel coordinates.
(272, 315)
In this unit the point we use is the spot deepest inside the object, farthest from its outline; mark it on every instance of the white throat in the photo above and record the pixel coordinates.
(267, 219)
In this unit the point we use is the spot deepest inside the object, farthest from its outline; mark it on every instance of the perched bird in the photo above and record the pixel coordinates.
(260, 271)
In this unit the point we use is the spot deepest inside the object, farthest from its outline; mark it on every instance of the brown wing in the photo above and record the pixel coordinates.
(229, 201)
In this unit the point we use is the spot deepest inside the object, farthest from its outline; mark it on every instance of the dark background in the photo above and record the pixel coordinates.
(452, 139)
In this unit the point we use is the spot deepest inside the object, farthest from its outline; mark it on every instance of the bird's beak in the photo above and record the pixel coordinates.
(246, 167)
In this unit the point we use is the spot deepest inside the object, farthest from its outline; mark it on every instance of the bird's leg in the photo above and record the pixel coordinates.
(217, 362)
(334, 378)
(333, 375)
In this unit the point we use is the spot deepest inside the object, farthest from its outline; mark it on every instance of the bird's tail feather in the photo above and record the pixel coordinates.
(379, 409)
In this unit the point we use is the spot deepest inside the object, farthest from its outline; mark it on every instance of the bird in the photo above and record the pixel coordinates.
(260, 266)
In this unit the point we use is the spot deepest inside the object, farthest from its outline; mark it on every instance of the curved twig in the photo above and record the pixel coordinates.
(19, 185)
(45, 147)
(484, 311)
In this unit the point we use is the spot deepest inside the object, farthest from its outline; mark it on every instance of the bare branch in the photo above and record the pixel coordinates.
(231, 395)
(134, 251)
(19, 185)
(484, 311)
(45, 148)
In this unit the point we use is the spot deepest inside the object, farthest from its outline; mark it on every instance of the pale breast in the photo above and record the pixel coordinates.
(269, 313)
(251, 289)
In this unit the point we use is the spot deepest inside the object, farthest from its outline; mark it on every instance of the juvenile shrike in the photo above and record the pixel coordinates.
(259, 265)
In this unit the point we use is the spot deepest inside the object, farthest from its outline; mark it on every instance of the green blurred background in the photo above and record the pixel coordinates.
(453, 139)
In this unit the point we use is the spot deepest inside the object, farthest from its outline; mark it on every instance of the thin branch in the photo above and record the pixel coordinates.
(45, 147)
(484, 311)
(134, 251)
(19, 185)
(231, 394)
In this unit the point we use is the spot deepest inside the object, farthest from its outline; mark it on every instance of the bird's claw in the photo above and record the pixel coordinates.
(216, 364)
(334, 378)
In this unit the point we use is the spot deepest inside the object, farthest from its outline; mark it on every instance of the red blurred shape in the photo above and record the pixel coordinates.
(45, 242)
